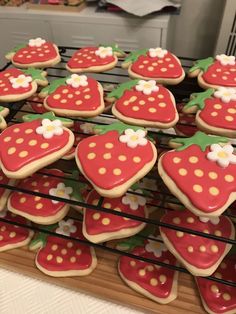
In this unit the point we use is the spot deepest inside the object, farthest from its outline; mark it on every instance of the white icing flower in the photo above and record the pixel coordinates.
(134, 201)
(104, 52)
(66, 227)
(37, 42)
(134, 138)
(50, 128)
(149, 184)
(61, 191)
(222, 155)
(20, 81)
(213, 220)
(157, 52)
(226, 60)
(147, 87)
(87, 128)
(155, 247)
(76, 80)
(225, 94)
(3, 213)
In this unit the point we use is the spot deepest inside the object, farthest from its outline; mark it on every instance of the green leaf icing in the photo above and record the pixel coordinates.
(17, 48)
(54, 85)
(47, 115)
(121, 88)
(114, 47)
(36, 74)
(41, 238)
(77, 187)
(199, 99)
(200, 139)
(134, 55)
(2, 108)
(120, 127)
(202, 64)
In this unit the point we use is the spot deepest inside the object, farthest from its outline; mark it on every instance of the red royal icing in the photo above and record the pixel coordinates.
(86, 58)
(36, 104)
(3, 180)
(186, 124)
(211, 180)
(167, 67)
(127, 168)
(27, 55)
(218, 74)
(32, 144)
(204, 252)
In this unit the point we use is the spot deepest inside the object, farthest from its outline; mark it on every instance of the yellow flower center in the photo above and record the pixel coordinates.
(133, 198)
(66, 228)
(222, 154)
(50, 128)
(147, 86)
(77, 79)
(134, 138)
(226, 94)
(20, 81)
(60, 192)
(156, 244)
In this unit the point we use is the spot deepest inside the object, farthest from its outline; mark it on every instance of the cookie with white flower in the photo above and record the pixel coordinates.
(215, 110)
(94, 59)
(155, 282)
(154, 64)
(75, 95)
(114, 159)
(215, 72)
(39, 209)
(37, 53)
(64, 257)
(102, 226)
(144, 103)
(16, 84)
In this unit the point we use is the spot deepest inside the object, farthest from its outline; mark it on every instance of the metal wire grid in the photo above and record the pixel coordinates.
(163, 196)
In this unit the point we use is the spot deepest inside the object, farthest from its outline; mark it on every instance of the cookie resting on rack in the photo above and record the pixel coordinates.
(29, 146)
(74, 96)
(201, 173)
(4, 111)
(115, 159)
(37, 53)
(4, 192)
(36, 103)
(18, 84)
(155, 64)
(64, 257)
(213, 73)
(94, 59)
(155, 282)
(200, 255)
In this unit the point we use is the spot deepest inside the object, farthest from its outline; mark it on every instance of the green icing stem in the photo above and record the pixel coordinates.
(120, 127)
(2, 108)
(199, 99)
(134, 55)
(36, 74)
(121, 88)
(54, 85)
(202, 64)
(18, 47)
(47, 115)
(76, 186)
(41, 237)
(114, 47)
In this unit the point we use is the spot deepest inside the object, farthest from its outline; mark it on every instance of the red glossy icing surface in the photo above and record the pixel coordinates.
(210, 176)
(12, 234)
(27, 132)
(36, 104)
(220, 298)
(75, 256)
(33, 205)
(160, 102)
(218, 74)
(167, 67)
(83, 98)
(223, 117)
(128, 168)
(85, 58)
(94, 220)
(132, 273)
(186, 124)
(29, 54)
(6, 86)
(196, 257)
(3, 180)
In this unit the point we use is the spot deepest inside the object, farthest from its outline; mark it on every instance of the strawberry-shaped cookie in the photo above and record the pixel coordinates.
(155, 63)
(76, 95)
(218, 298)
(216, 111)
(37, 209)
(60, 257)
(116, 158)
(29, 146)
(200, 255)
(18, 84)
(218, 72)
(100, 226)
(36, 103)
(201, 173)
(13, 236)
(144, 103)
(4, 193)
(153, 281)
(186, 124)
(94, 59)
(37, 53)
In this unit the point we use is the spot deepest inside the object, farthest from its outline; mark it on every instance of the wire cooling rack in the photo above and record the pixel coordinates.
(163, 198)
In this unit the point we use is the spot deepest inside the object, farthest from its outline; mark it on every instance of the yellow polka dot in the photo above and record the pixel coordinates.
(226, 296)
(44, 145)
(145, 61)
(214, 191)
(163, 69)
(213, 75)
(12, 234)
(11, 150)
(190, 220)
(153, 282)
(218, 233)
(34, 183)
(214, 114)
(117, 209)
(141, 102)
(70, 95)
(56, 96)
(214, 248)
(59, 259)
(64, 251)
(32, 143)
(96, 216)
(162, 104)
(106, 221)
(73, 259)
(224, 77)
(152, 110)
(183, 172)
(190, 249)
(16, 130)
(92, 144)
(193, 159)
(109, 145)
(69, 245)
(135, 108)
(78, 252)
(91, 156)
(160, 96)
(176, 220)
(213, 175)
(133, 99)
(63, 101)
(107, 156)
(229, 118)
(20, 140)
(116, 171)
(150, 68)
(142, 272)
(7, 139)
(154, 64)
(65, 91)
(150, 268)
(229, 178)
(122, 157)
(107, 205)
(46, 184)
(197, 188)
(7, 74)
(132, 263)
(3, 228)
(49, 257)
(231, 110)
(198, 173)
(141, 66)
(37, 198)
(78, 102)
(39, 206)
(77, 92)
(29, 131)
(23, 154)
(176, 160)
(206, 231)
(217, 106)
(126, 103)
(151, 99)
(214, 289)
(171, 65)
(102, 170)
(54, 247)
(202, 248)
(179, 234)
(87, 96)
(136, 159)
(22, 200)
(160, 61)
(95, 202)
(162, 278)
